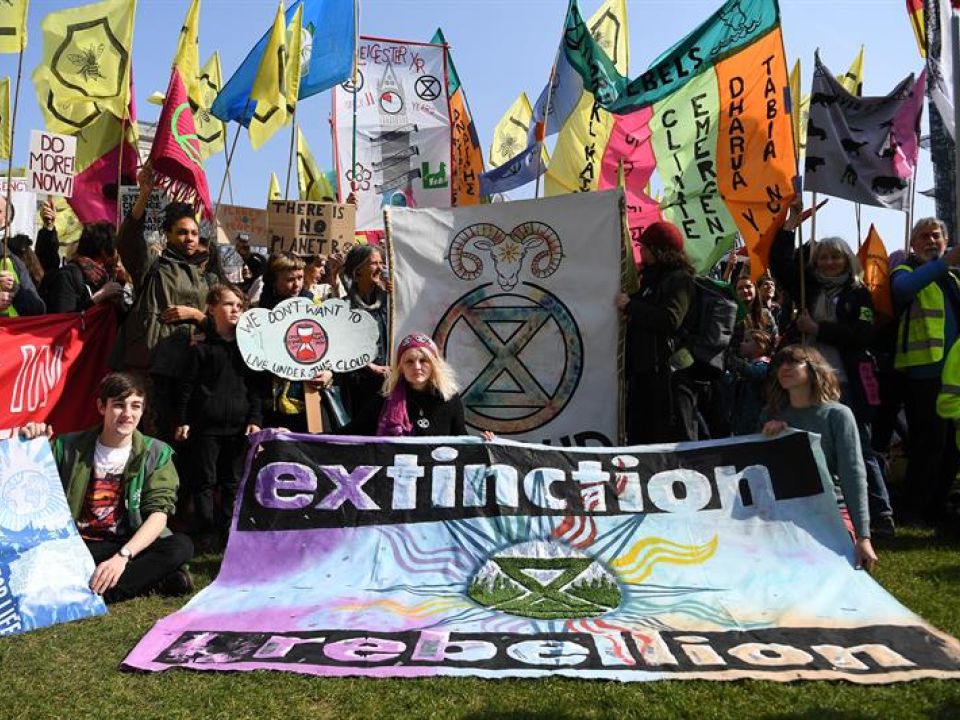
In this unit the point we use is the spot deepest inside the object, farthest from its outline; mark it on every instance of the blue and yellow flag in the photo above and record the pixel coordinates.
(278, 80)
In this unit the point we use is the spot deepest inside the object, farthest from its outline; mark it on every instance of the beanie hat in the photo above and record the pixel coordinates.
(662, 235)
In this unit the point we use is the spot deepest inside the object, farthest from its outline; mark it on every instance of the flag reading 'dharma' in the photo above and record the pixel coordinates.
(577, 157)
(407, 558)
(13, 25)
(465, 152)
(175, 155)
(328, 43)
(86, 52)
(876, 273)
(45, 567)
(716, 111)
(312, 183)
(402, 129)
(852, 147)
(509, 293)
(5, 118)
(211, 130)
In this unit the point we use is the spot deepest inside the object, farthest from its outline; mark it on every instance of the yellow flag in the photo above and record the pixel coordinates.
(87, 53)
(187, 59)
(277, 84)
(852, 80)
(67, 118)
(5, 119)
(274, 192)
(211, 130)
(577, 156)
(312, 182)
(795, 102)
(510, 134)
(13, 25)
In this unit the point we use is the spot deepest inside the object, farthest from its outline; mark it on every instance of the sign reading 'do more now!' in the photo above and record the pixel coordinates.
(297, 339)
(52, 163)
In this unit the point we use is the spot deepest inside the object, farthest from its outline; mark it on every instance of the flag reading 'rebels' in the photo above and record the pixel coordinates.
(863, 149)
(397, 153)
(465, 152)
(406, 558)
(711, 117)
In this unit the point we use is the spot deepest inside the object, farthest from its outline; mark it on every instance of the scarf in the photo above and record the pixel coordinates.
(198, 258)
(94, 274)
(825, 307)
(394, 419)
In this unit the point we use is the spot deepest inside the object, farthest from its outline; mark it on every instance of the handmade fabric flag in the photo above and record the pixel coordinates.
(937, 15)
(274, 191)
(312, 183)
(876, 273)
(716, 112)
(852, 146)
(510, 133)
(577, 157)
(278, 79)
(515, 173)
(918, 23)
(86, 51)
(466, 155)
(396, 150)
(513, 159)
(175, 155)
(795, 95)
(187, 57)
(851, 81)
(328, 49)
(5, 118)
(67, 118)
(211, 130)
(13, 26)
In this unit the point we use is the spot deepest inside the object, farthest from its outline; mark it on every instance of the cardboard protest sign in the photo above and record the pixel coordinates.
(310, 228)
(52, 163)
(297, 339)
(21, 215)
(234, 219)
(158, 201)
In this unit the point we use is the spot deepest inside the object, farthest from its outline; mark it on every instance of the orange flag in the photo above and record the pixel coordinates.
(876, 273)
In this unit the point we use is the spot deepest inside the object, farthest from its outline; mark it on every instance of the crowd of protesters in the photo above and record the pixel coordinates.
(806, 351)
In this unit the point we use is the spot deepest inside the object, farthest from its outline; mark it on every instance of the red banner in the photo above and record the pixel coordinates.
(51, 366)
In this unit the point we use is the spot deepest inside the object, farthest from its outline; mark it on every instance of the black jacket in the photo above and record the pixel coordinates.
(656, 314)
(429, 414)
(65, 290)
(220, 394)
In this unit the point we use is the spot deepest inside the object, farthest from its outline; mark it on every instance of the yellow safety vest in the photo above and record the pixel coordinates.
(920, 337)
(6, 265)
(948, 401)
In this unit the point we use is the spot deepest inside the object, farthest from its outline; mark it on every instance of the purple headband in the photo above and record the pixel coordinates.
(417, 340)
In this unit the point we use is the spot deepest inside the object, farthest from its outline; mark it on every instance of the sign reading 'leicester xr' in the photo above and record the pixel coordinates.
(398, 558)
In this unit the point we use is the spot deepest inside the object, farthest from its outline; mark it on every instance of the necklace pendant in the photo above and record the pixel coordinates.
(423, 423)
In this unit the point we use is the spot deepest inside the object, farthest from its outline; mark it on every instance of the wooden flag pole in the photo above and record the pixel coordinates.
(123, 137)
(955, 34)
(13, 125)
(293, 142)
(226, 173)
(233, 147)
(856, 212)
(354, 183)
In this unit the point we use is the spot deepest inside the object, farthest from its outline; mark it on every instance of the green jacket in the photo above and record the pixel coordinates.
(145, 343)
(150, 480)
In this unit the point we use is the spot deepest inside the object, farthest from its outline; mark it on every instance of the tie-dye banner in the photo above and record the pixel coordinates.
(44, 566)
(712, 117)
(401, 558)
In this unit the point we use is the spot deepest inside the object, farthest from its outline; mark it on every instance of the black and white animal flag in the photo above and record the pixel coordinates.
(862, 148)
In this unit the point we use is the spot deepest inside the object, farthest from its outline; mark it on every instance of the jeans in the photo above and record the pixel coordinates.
(142, 574)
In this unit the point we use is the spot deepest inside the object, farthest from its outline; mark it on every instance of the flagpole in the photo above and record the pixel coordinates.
(13, 126)
(226, 174)
(546, 119)
(233, 147)
(813, 222)
(293, 140)
(123, 134)
(856, 211)
(955, 35)
(354, 185)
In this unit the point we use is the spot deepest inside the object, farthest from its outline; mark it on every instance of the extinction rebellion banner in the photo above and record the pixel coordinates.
(400, 558)
(402, 137)
(519, 298)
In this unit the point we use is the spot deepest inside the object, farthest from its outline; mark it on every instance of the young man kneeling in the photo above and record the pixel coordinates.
(121, 486)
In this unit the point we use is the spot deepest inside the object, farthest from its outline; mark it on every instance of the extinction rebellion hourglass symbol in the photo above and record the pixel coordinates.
(306, 341)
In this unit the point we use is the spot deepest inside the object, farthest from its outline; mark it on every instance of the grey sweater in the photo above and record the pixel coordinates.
(840, 441)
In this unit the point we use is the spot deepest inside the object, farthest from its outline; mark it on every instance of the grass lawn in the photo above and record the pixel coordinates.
(70, 671)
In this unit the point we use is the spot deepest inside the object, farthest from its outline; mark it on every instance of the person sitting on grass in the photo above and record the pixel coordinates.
(121, 486)
(804, 394)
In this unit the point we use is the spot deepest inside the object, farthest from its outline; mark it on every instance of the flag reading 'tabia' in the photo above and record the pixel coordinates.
(327, 56)
(466, 156)
(211, 130)
(711, 114)
(278, 80)
(5, 118)
(862, 149)
(86, 51)
(175, 155)
(876, 273)
(312, 183)
(13, 26)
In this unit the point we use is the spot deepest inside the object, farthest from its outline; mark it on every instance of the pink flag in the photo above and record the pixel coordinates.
(905, 131)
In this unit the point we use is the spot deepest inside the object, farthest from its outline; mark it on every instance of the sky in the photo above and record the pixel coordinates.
(500, 47)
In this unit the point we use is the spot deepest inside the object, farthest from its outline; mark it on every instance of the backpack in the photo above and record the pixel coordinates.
(708, 326)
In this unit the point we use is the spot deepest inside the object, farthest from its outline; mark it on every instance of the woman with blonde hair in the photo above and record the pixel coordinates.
(803, 394)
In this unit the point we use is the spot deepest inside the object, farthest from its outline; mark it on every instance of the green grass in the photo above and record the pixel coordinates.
(70, 671)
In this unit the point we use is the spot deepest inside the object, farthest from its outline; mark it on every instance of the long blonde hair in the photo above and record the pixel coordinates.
(442, 377)
(823, 379)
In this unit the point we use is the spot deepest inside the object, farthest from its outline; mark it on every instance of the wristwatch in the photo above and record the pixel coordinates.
(125, 553)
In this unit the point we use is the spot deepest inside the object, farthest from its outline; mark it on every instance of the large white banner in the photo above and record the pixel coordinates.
(519, 298)
(402, 129)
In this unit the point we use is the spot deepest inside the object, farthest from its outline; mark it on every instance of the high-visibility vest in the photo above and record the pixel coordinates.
(921, 335)
(948, 401)
(7, 265)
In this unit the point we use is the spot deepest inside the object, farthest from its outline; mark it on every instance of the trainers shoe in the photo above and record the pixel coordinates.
(883, 527)
(176, 584)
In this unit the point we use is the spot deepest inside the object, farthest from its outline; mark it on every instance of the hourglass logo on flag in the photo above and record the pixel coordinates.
(306, 341)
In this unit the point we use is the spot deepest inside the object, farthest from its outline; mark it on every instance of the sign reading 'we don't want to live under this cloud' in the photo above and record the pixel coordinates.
(407, 558)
